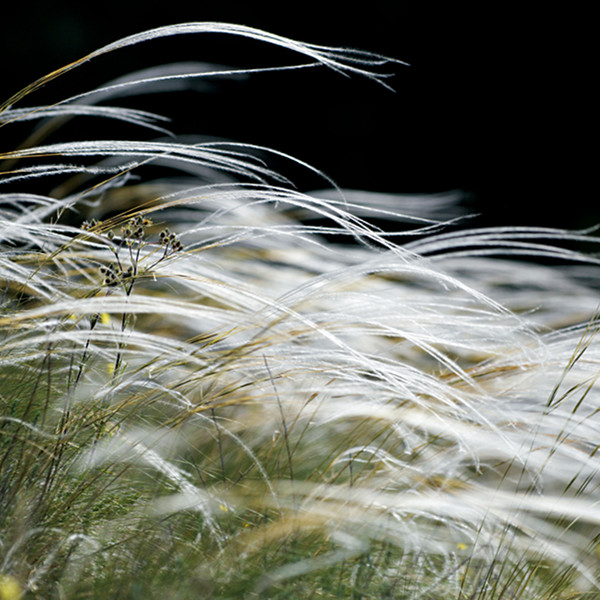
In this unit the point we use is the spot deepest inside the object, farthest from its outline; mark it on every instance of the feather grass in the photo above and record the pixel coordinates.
(203, 394)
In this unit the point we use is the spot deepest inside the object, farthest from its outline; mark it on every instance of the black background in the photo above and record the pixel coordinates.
(497, 100)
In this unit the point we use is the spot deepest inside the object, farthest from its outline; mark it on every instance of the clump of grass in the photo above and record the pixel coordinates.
(202, 395)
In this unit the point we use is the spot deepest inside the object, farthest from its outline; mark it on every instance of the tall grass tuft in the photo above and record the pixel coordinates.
(214, 385)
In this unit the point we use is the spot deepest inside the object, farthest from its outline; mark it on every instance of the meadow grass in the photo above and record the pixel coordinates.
(215, 385)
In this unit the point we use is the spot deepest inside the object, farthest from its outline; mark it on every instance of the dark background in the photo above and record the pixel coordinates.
(497, 101)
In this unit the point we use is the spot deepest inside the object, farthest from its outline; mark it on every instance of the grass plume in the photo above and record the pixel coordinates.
(213, 384)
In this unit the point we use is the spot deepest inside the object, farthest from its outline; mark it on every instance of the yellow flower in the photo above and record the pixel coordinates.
(9, 588)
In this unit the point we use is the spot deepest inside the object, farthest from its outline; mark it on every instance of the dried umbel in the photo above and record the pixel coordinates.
(202, 394)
